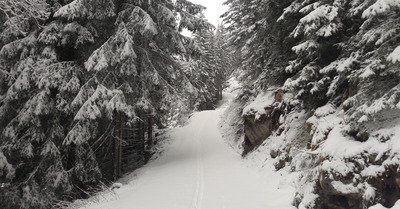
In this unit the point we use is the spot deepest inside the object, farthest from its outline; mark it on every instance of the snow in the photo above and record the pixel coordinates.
(51, 148)
(58, 179)
(22, 83)
(199, 170)
(89, 111)
(328, 30)
(325, 110)
(147, 24)
(290, 9)
(363, 119)
(344, 188)
(368, 72)
(386, 35)
(214, 10)
(257, 107)
(328, 129)
(340, 146)
(309, 8)
(81, 9)
(346, 64)
(395, 55)
(231, 124)
(339, 166)
(324, 11)
(308, 45)
(322, 123)
(116, 49)
(128, 50)
(5, 166)
(369, 193)
(73, 10)
(116, 185)
(315, 21)
(78, 135)
(373, 170)
(380, 6)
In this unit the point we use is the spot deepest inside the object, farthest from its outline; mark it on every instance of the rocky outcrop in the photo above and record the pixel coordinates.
(256, 130)
(259, 124)
(350, 173)
(354, 191)
(387, 186)
(338, 170)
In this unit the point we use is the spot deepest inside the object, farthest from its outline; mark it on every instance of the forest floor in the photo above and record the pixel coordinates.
(198, 170)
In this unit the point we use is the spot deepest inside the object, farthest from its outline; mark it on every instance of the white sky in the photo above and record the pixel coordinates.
(213, 11)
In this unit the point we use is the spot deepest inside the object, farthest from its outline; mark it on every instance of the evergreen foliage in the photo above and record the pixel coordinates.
(67, 69)
(340, 54)
(337, 49)
(209, 66)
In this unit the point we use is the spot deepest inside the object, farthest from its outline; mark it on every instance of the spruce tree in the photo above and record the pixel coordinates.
(209, 66)
(68, 70)
(339, 58)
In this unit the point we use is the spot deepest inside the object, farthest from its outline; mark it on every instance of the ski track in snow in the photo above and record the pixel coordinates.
(199, 171)
(198, 194)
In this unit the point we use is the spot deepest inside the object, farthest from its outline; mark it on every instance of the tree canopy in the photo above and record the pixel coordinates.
(67, 69)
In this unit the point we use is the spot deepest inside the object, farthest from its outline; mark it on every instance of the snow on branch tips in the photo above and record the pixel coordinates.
(139, 21)
(91, 9)
(379, 7)
(190, 7)
(394, 56)
(320, 20)
(72, 10)
(37, 9)
(78, 135)
(104, 100)
(304, 47)
(114, 51)
(5, 167)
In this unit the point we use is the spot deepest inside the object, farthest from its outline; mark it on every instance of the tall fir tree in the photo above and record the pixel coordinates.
(339, 56)
(68, 69)
(210, 65)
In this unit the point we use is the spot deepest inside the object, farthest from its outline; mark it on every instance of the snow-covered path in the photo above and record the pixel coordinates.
(199, 171)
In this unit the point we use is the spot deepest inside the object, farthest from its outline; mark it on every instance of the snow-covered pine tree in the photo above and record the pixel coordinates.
(210, 65)
(342, 48)
(258, 40)
(370, 66)
(199, 69)
(343, 69)
(68, 69)
(32, 117)
(223, 58)
(320, 32)
(359, 76)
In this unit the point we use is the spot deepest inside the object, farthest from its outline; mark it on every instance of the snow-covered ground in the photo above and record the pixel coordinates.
(199, 170)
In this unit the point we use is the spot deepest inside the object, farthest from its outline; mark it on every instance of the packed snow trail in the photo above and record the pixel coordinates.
(199, 171)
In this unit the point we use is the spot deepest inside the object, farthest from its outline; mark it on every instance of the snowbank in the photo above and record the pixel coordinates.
(257, 107)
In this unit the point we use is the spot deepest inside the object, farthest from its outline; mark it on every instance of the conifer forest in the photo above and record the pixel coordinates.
(146, 104)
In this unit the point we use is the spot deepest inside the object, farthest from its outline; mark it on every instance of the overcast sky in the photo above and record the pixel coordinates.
(213, 11)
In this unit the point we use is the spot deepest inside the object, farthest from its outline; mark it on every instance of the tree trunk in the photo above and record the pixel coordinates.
(118, 134)
(149, 132)
(219, 86)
